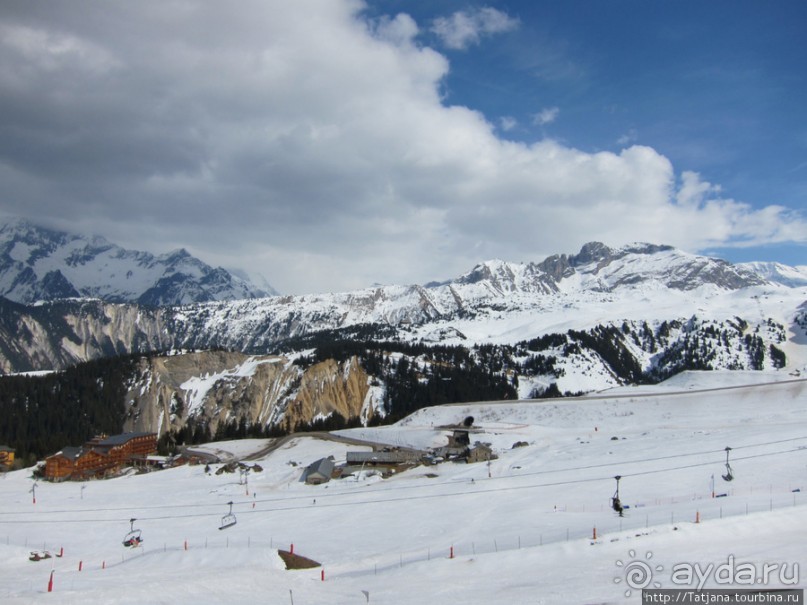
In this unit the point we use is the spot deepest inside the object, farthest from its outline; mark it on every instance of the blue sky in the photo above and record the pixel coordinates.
(333, 144)
(720, 88)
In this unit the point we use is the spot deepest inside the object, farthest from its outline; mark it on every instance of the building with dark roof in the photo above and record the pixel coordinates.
(319, 471)
(382, 458)
(100, 456)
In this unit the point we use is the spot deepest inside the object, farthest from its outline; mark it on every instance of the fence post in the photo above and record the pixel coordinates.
(50, 582)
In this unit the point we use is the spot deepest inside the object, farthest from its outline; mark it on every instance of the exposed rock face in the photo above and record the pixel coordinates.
(60, 334)
(329, 387)
(213, 387)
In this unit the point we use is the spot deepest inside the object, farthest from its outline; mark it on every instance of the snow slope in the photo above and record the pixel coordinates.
(521, 528)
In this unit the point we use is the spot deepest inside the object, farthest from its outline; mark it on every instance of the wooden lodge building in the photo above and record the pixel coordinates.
(100, 456)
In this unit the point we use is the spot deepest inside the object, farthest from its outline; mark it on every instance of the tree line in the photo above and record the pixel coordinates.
(41, 414)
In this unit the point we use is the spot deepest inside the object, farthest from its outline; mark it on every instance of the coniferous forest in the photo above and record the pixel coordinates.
(41, 414)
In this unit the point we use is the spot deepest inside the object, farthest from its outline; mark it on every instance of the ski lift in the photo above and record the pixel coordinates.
(133, 538)
(729, 476)
(616, 503)
(229, 519)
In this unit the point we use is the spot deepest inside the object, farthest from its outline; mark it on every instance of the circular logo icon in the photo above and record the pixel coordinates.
(638, 573)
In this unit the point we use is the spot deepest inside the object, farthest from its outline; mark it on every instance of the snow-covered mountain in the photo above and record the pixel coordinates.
(496, 302)
(777, 272)
(598, 267)
(602, 318)
(41, 264)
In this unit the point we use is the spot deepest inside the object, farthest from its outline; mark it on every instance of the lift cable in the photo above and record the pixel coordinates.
(482, 490)
(410, 487)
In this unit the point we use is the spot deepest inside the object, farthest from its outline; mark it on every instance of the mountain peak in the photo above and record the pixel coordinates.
(793, 277)
(593, 251)
(604, 268)
(176, 255)
(38, 263)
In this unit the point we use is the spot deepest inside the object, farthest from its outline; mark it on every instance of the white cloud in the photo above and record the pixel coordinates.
(400, 30)
(468, 27)
(693, 191)
(297, 140)
(546, 116)
(507, 123)
(628, 138)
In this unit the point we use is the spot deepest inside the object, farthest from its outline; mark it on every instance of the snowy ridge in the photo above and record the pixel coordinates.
(496, 302)
(793, 277)
(41, 264)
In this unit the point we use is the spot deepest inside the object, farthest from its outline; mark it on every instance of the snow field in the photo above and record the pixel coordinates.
(521, 528)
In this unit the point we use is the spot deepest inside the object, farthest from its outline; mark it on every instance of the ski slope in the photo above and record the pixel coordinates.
(521, 529)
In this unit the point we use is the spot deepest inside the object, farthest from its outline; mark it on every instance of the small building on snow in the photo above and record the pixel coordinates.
(319, 472)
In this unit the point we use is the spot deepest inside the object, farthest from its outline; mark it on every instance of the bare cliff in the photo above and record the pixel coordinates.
(212, 387)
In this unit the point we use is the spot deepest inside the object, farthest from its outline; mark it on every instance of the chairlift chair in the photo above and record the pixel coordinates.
(729, 476)
(616, 503)
(229, 519)
(133, 538)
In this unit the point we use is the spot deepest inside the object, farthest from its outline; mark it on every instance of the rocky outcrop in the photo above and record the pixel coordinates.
(329, 387)
(216, 387)
(56, 335)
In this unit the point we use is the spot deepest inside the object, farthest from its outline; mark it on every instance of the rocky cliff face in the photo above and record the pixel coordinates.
(221, 387)
(56, 335)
